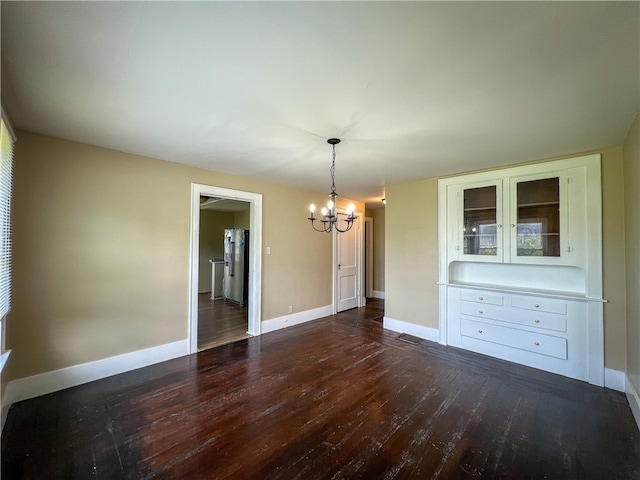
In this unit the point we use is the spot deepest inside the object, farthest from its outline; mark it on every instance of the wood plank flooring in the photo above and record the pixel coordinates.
(336, 398)
(220, 322)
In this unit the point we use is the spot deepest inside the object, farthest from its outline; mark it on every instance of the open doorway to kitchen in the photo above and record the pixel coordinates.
(224, 239)
(225, 266)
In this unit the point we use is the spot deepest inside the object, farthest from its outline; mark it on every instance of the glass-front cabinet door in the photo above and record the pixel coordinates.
(481, 227)
(537, 219)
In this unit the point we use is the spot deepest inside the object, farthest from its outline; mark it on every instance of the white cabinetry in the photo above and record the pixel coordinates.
(521, 265)
(541, 332)
(519, 219)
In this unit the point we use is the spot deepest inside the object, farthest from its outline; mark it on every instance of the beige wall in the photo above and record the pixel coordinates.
(411, 252)
(378, 216)
(632, 249)
(212, 226)
(412, 255)
(242, 219)
(102, 247)
(613, 266)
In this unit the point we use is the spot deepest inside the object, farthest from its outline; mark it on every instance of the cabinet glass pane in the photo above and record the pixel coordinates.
(538, 227)
(479, 231)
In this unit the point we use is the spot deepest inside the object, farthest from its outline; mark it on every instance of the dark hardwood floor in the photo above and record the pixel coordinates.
(220, 322)
(333, 398)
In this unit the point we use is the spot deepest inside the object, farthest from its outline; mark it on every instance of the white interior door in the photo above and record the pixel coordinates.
(347, 268)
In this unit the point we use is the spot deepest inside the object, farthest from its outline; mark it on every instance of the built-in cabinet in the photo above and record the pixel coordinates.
(521, 265)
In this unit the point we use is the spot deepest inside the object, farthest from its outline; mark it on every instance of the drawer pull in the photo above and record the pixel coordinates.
(479, 331)
(480, 311)
(536, 343)
(480, 298)
(537, 305)
(537, 321)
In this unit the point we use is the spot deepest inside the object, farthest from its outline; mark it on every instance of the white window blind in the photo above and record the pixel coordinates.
(6, 183)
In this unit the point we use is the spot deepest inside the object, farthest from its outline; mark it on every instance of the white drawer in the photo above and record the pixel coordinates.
(511, 337)
(532, 319)
(481, 297)
(484, 311)
(539, 304)
(557, 323)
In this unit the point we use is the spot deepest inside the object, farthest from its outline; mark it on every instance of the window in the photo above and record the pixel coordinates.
(6, 181)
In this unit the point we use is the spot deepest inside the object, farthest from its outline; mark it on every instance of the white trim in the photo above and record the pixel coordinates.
(362, 297)
(378, 294)
(634, 401)
(296, 318)
(443, 303)
(48, 382)
(255, 256)
(614, 379)
(428, 333)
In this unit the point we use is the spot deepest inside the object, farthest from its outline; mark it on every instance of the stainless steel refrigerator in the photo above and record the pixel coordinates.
(235, 282)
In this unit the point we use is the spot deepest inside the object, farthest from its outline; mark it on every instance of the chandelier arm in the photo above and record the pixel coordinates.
(349, 225)
(324, 227)
(349, 221)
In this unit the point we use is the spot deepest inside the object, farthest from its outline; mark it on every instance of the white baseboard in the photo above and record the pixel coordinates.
(378, 294)
(428, 333)
(615, 379)
(634, 400)
(43, 383)
(296, 318)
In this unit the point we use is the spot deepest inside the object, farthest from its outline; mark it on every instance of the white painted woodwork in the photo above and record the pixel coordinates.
(255, 256)
(347, 268)
(544, 312)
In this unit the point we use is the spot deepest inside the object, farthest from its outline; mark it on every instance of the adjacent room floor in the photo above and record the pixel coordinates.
(220, 322)
(338, 397)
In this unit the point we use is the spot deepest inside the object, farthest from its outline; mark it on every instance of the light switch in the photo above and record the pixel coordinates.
(268, 252)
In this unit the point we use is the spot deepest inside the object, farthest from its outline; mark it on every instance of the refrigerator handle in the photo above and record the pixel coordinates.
(232, 260)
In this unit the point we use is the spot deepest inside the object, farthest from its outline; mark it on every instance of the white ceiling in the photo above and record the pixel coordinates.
(415, 90)
(223, 204)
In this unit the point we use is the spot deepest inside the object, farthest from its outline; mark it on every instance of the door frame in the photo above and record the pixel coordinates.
(359, 257)
(255, 257)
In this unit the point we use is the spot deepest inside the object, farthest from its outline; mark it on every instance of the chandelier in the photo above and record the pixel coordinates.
(329, 215)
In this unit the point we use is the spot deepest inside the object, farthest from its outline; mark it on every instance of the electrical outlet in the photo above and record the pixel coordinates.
(290, 308)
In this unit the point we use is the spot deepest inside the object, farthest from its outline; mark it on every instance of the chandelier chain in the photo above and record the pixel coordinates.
(333, 171)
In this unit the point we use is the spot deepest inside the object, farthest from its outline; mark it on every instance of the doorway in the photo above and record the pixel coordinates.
(222, 277)
(229, 316)
(348, 265)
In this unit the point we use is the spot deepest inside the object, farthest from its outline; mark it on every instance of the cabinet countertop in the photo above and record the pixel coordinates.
(524, 291)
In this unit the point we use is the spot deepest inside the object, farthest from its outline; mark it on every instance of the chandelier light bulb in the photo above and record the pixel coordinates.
(350, 209)
(312, 208)
(324, 212)
(330, 204)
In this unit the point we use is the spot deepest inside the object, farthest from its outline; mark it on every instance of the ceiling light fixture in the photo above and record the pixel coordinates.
(329, 214)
